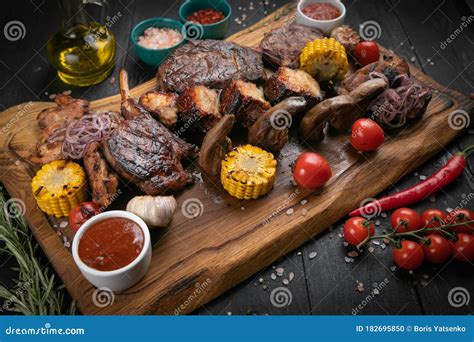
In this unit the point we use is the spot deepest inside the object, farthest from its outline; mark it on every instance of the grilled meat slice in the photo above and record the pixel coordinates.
(211, 63)
(282, 47)
(198, 108)
(67, 109)
(347, 36)
(245, 100)
(145, 152)
(161, 105)
(286, 82)
(129, 108)
(391, 66)
(47, 148)
(103, 181)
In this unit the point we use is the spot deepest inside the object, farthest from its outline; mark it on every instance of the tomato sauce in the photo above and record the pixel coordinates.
(321, 11)
(111, 244)
(206, 16)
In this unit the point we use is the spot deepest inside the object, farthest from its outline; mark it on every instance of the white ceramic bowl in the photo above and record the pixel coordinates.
(122, 278)
(324, 25)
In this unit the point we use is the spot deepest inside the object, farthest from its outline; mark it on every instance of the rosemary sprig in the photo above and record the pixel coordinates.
(36, 291)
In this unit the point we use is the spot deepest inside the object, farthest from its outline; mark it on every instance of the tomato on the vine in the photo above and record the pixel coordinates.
(366, 135)
(405, 219)
(367, 52)
(459, 216)
(357, 229)
(409, 255)
(81, 213)
(311, 171)
(438, 250)
(463, 248)
(433, 218)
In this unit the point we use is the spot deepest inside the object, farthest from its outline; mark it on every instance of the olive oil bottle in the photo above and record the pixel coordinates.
(83, 50)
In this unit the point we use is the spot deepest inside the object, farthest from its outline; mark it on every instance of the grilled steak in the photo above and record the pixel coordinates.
(145, 152)
(282, 47)
(104, 182)
(286, 82)
(209, 62)
(245, 100)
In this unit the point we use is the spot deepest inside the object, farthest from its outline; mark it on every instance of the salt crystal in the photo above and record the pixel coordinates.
(67, 92)
(290, 211)
(376, 242)
(413, 59)
(422, 177)
(432, 198)
(52, 96)
(229, 313)
(63, 224)
(285, 282)
(280, 271)
(411, 272)
(260, 280)
(273, 276)
(313, 255)
(299, 253)
(383, 245)
(371, 249)
(347, 259)
(291, 276)
(375, 292)
(242, 208)
(377, 222)
(264, 287)
(304, 212)
(339, 235)
(393, 268)
(426, 276)
(67, 244)
(303, 202)
(424, 283)
(345, 243)
(384, 215)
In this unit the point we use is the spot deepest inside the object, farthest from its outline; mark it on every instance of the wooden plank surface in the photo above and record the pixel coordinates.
(299, 307)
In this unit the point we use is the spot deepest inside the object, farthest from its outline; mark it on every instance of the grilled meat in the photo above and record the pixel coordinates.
(161, 105)
(282, 47)
(211, 63)
(391, 66)
(144, 151)
(286, 82)
(67, 110)
(245, 100)
(103, 181)
(198, 108)
(53, 122)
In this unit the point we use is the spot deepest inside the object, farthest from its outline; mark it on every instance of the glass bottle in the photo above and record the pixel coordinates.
(83, 50)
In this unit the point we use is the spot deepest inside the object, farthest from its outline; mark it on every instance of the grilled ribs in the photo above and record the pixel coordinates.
(144, 151)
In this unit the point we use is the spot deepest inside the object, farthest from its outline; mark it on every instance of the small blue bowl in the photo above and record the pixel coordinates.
(154, 57)
(210, 31)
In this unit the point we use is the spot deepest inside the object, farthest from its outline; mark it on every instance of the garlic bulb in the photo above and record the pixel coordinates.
(155, 211)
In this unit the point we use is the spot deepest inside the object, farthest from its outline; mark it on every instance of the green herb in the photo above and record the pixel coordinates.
(36, 291)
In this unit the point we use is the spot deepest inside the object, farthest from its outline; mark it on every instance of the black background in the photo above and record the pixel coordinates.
(325, 284)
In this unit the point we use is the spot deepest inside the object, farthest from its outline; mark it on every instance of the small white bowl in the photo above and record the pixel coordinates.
(324, 25)
(122, 278)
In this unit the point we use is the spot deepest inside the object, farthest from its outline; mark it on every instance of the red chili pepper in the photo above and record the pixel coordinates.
(444, 176)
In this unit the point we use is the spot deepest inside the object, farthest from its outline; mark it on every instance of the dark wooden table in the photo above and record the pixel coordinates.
(326, 283)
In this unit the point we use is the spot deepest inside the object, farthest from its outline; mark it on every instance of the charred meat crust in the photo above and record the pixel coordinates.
(67, 109)
(161, 105)
(198, 108)
(282, 47)
(145, 152)
(104, 182)
(243, 99)
(209, 62)
(286, 82)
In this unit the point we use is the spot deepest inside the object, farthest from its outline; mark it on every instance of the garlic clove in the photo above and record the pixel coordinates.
(155, 211)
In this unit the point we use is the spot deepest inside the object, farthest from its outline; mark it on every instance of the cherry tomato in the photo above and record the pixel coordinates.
(405, 219)
(438, 250)
(311, 171)
(366, 53)
(356, 230)
(460, 216)
(82, 213)
(409, 256)
(366, 135)
(432, 218)
(463, 248)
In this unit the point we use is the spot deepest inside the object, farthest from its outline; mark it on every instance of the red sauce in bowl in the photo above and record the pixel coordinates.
(111, 243)
(321, 11)
(206, 16)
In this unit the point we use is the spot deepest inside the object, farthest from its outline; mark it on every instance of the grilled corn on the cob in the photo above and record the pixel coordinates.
(59, 186)
(324, 59)
(248, 172)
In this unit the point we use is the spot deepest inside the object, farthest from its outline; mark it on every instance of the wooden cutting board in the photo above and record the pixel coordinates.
(197, 259)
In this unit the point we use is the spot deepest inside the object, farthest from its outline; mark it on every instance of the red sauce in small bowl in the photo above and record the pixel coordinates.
(321, 11)
(206, 16)
(111, 243)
